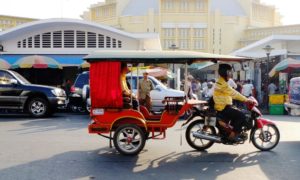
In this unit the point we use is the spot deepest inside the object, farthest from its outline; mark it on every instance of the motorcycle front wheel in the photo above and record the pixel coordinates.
(266, 138)
(198, 143)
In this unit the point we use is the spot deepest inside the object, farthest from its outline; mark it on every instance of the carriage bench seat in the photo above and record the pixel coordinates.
(148, 115)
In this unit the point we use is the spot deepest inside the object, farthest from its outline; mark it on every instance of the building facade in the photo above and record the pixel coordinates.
(215, 26)
(67, 41)
(7, 22)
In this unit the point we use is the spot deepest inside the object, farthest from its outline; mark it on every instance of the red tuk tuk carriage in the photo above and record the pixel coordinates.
(114, 118)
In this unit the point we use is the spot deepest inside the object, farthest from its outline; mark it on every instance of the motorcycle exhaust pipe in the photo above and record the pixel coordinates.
(202, 135)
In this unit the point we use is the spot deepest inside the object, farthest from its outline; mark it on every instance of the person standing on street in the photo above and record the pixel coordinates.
(248, 88)
(145, 86)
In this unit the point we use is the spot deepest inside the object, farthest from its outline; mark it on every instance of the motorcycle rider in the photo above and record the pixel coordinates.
(223, 95)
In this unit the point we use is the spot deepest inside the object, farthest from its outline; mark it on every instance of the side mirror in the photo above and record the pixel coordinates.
(158, 88)
(13, 82)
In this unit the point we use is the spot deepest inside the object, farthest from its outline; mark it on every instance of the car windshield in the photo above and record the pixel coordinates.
(134, 82)
(82, 79)
(21, 78)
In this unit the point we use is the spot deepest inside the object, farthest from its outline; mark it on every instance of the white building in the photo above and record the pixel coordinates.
(67, 40)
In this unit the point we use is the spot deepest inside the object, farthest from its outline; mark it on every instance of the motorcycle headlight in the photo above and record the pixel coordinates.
(58, 92)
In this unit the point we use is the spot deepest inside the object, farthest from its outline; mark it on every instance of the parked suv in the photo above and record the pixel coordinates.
(16, 93)
(79, 93)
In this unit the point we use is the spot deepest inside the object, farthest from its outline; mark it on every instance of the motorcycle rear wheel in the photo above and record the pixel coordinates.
(266, 138)
(197, 143)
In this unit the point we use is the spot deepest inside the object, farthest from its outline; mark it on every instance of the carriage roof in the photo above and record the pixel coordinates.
(131, 56)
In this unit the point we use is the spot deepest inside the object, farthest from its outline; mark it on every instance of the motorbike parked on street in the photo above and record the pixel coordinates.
(208, 127)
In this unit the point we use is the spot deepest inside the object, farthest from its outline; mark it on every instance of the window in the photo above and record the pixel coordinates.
(168, 43)
(184, 33)
(24, 43)
(69, 39)
(169, 32)
(114, 43)
(37, 41)
(30, 42)
(57, 39)
(184, 44)
(108, 42)
(19, 44)
(119, 44)
(200, 5)
(199, 33)
(91, 40)
(80, 37)
(198, 44)
(168, 5)
(184, 5)
(5, 78)
(46, 40)
(100, 41)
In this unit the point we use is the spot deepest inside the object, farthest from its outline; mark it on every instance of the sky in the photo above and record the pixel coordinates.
(44, 9)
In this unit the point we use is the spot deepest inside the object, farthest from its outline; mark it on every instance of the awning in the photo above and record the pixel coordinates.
(62, 59)
(4, 64)
(286, 66)
(36, 61)
(201, 65)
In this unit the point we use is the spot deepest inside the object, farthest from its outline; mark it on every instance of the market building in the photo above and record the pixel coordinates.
(66, 42)
(214, 26)
(7, 22)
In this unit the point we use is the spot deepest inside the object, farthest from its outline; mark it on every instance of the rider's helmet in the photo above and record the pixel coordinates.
(225, 71)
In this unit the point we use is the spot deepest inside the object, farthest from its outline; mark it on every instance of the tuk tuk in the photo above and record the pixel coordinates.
(112, 114)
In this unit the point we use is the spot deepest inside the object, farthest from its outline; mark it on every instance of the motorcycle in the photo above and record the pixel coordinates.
(209, 127)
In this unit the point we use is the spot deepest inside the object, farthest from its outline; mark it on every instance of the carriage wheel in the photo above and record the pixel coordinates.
(129, 139)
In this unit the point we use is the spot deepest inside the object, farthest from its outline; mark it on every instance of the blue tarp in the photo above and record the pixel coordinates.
(63, 59)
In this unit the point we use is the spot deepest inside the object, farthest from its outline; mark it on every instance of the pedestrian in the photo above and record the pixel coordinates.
(272, 88)
(208, 91)
(204, 84)
(196, 87)
(145, 86)
(67, 87)
(232, 84)
(248, 88)
(189, 90)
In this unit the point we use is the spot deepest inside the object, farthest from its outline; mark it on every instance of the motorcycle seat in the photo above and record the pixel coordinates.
(220, 116)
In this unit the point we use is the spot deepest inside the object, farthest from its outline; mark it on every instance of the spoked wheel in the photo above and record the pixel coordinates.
(197, 143)
(266, 138)
(129, 139)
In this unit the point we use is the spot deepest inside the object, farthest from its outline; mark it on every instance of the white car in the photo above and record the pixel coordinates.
(158, 94)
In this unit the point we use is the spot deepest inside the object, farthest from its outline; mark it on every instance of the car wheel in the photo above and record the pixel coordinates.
(38, 107)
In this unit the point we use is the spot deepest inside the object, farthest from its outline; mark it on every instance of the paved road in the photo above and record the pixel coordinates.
(60, 148)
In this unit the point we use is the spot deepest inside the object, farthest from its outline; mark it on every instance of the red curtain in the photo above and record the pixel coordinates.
(105, 85)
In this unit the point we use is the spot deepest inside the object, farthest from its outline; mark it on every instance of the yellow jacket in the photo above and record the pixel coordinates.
(223, 95)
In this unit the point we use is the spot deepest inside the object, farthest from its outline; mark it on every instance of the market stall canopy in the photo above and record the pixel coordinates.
(152, 71)
(4, 64)
(201, 65)
(159, 57)
(85, 65)
(285, 66)
(36, 61)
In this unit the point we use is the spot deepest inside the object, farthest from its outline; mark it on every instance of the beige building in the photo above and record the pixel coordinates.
(7, 22)
(256, 34)
(215, 26)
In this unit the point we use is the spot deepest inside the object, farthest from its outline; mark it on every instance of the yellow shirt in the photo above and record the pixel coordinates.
(223, 95)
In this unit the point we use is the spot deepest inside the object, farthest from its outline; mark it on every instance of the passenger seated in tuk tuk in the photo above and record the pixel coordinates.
(126, 90)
